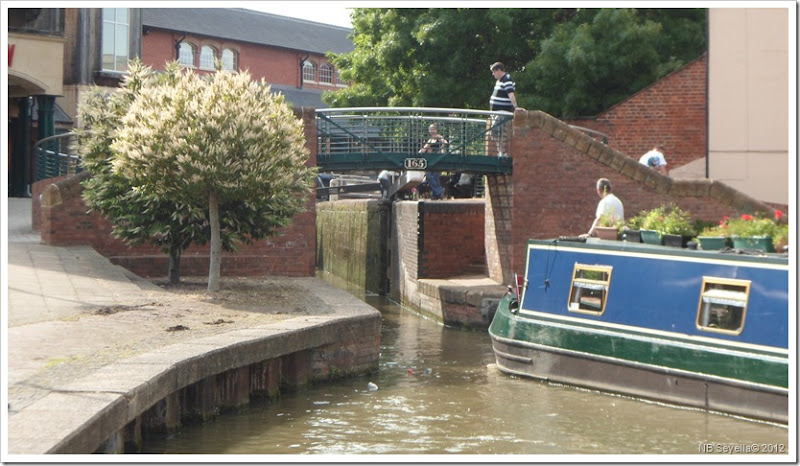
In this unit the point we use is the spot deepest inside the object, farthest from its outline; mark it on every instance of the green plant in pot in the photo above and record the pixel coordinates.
(715, 237)
(754, 232)
(633, 227)
(672, 225)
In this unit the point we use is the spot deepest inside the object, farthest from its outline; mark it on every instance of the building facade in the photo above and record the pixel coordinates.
(56, 54)
(749, 99)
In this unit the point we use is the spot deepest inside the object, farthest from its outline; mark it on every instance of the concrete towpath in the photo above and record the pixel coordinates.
(71, 313)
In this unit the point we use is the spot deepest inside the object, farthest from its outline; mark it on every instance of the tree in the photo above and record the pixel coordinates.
(584, 68)
(441, 57)
(195, 159)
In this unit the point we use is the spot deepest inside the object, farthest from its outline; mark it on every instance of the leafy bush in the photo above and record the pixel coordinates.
(747, 226)
(668, 220)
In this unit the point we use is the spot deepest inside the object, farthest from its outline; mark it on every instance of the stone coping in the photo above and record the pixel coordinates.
(78, 416)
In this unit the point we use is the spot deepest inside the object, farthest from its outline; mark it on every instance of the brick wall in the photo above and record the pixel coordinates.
(452, 239)
(276, 65)
(499, 225)
(65, 220)
(553, 194)
(671, 111)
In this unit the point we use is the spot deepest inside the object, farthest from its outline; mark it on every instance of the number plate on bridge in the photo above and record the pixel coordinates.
(416, 164)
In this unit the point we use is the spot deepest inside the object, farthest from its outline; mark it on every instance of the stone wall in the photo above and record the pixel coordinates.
(352, 242)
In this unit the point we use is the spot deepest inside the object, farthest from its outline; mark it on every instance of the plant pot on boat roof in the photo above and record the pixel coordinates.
(715, 237)
(667, 225)
(632, 229)
(607, 228)
(754, 232)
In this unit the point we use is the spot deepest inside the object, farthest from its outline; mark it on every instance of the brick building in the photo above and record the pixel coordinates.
(56, 54)
(288, 53)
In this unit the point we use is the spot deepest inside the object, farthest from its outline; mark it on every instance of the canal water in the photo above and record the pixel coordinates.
(437, 392)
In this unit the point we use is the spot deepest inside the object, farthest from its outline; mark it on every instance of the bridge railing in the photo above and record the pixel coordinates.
(394, 133)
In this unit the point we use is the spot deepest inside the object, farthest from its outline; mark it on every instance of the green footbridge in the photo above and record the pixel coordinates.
(389, 138)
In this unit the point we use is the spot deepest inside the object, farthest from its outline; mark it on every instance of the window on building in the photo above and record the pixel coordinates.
(207, 56)
(338, 78)
(115, 39)
(326, 73)
(309, 71)
(229, 60)
(186, 54)
(589, 291)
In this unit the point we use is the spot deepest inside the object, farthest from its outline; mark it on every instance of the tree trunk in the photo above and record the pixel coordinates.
(174, 272)
(216, 242)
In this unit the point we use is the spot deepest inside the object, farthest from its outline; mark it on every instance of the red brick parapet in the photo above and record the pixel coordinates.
(633, 170)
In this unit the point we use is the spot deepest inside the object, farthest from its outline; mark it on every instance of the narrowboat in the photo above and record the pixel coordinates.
(704, 329)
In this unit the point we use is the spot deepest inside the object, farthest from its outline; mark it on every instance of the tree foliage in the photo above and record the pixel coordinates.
(565, 61)
(179, 158)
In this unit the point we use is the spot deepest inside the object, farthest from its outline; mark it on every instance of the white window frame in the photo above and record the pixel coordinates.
(182, 55)
(115, 30)
(203, 62)
(231, 63)
(308, 65)
(326, 72)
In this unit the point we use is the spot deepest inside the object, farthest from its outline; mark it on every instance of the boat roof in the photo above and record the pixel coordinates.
(654, 249)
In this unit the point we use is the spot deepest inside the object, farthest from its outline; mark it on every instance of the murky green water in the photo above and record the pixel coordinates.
(454, 401)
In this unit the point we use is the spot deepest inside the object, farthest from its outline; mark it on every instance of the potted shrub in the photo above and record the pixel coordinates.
(606, 228)
(632, 230)
(672, 226)
(715, 237)
(651, 221)
(749, 232)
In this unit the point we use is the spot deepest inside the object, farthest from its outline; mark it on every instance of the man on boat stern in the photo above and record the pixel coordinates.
(609, 206)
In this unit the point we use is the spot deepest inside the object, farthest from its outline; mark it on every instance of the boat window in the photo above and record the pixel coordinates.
(589, 291)
(723, 303)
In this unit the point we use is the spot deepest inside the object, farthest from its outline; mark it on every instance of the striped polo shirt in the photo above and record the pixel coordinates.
(499, 99)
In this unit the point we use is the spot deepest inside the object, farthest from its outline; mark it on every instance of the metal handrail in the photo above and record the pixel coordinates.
(50, 162)
(411, 110)
(592, 132)
(379, 133)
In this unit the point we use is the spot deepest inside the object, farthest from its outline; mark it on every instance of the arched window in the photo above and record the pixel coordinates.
(229, 60)
(309, 71)
(326, 73)
(186, 54)
(207, 56)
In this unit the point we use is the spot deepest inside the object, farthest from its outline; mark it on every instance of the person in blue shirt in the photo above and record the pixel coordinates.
(435, 143)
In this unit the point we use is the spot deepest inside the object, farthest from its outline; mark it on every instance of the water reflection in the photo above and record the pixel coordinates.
(439, 393)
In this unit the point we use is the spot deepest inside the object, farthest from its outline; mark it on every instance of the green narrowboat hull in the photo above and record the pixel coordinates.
(677, 369)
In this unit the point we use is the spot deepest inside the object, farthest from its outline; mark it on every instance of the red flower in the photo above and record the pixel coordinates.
(747, 217)
(778, 214)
